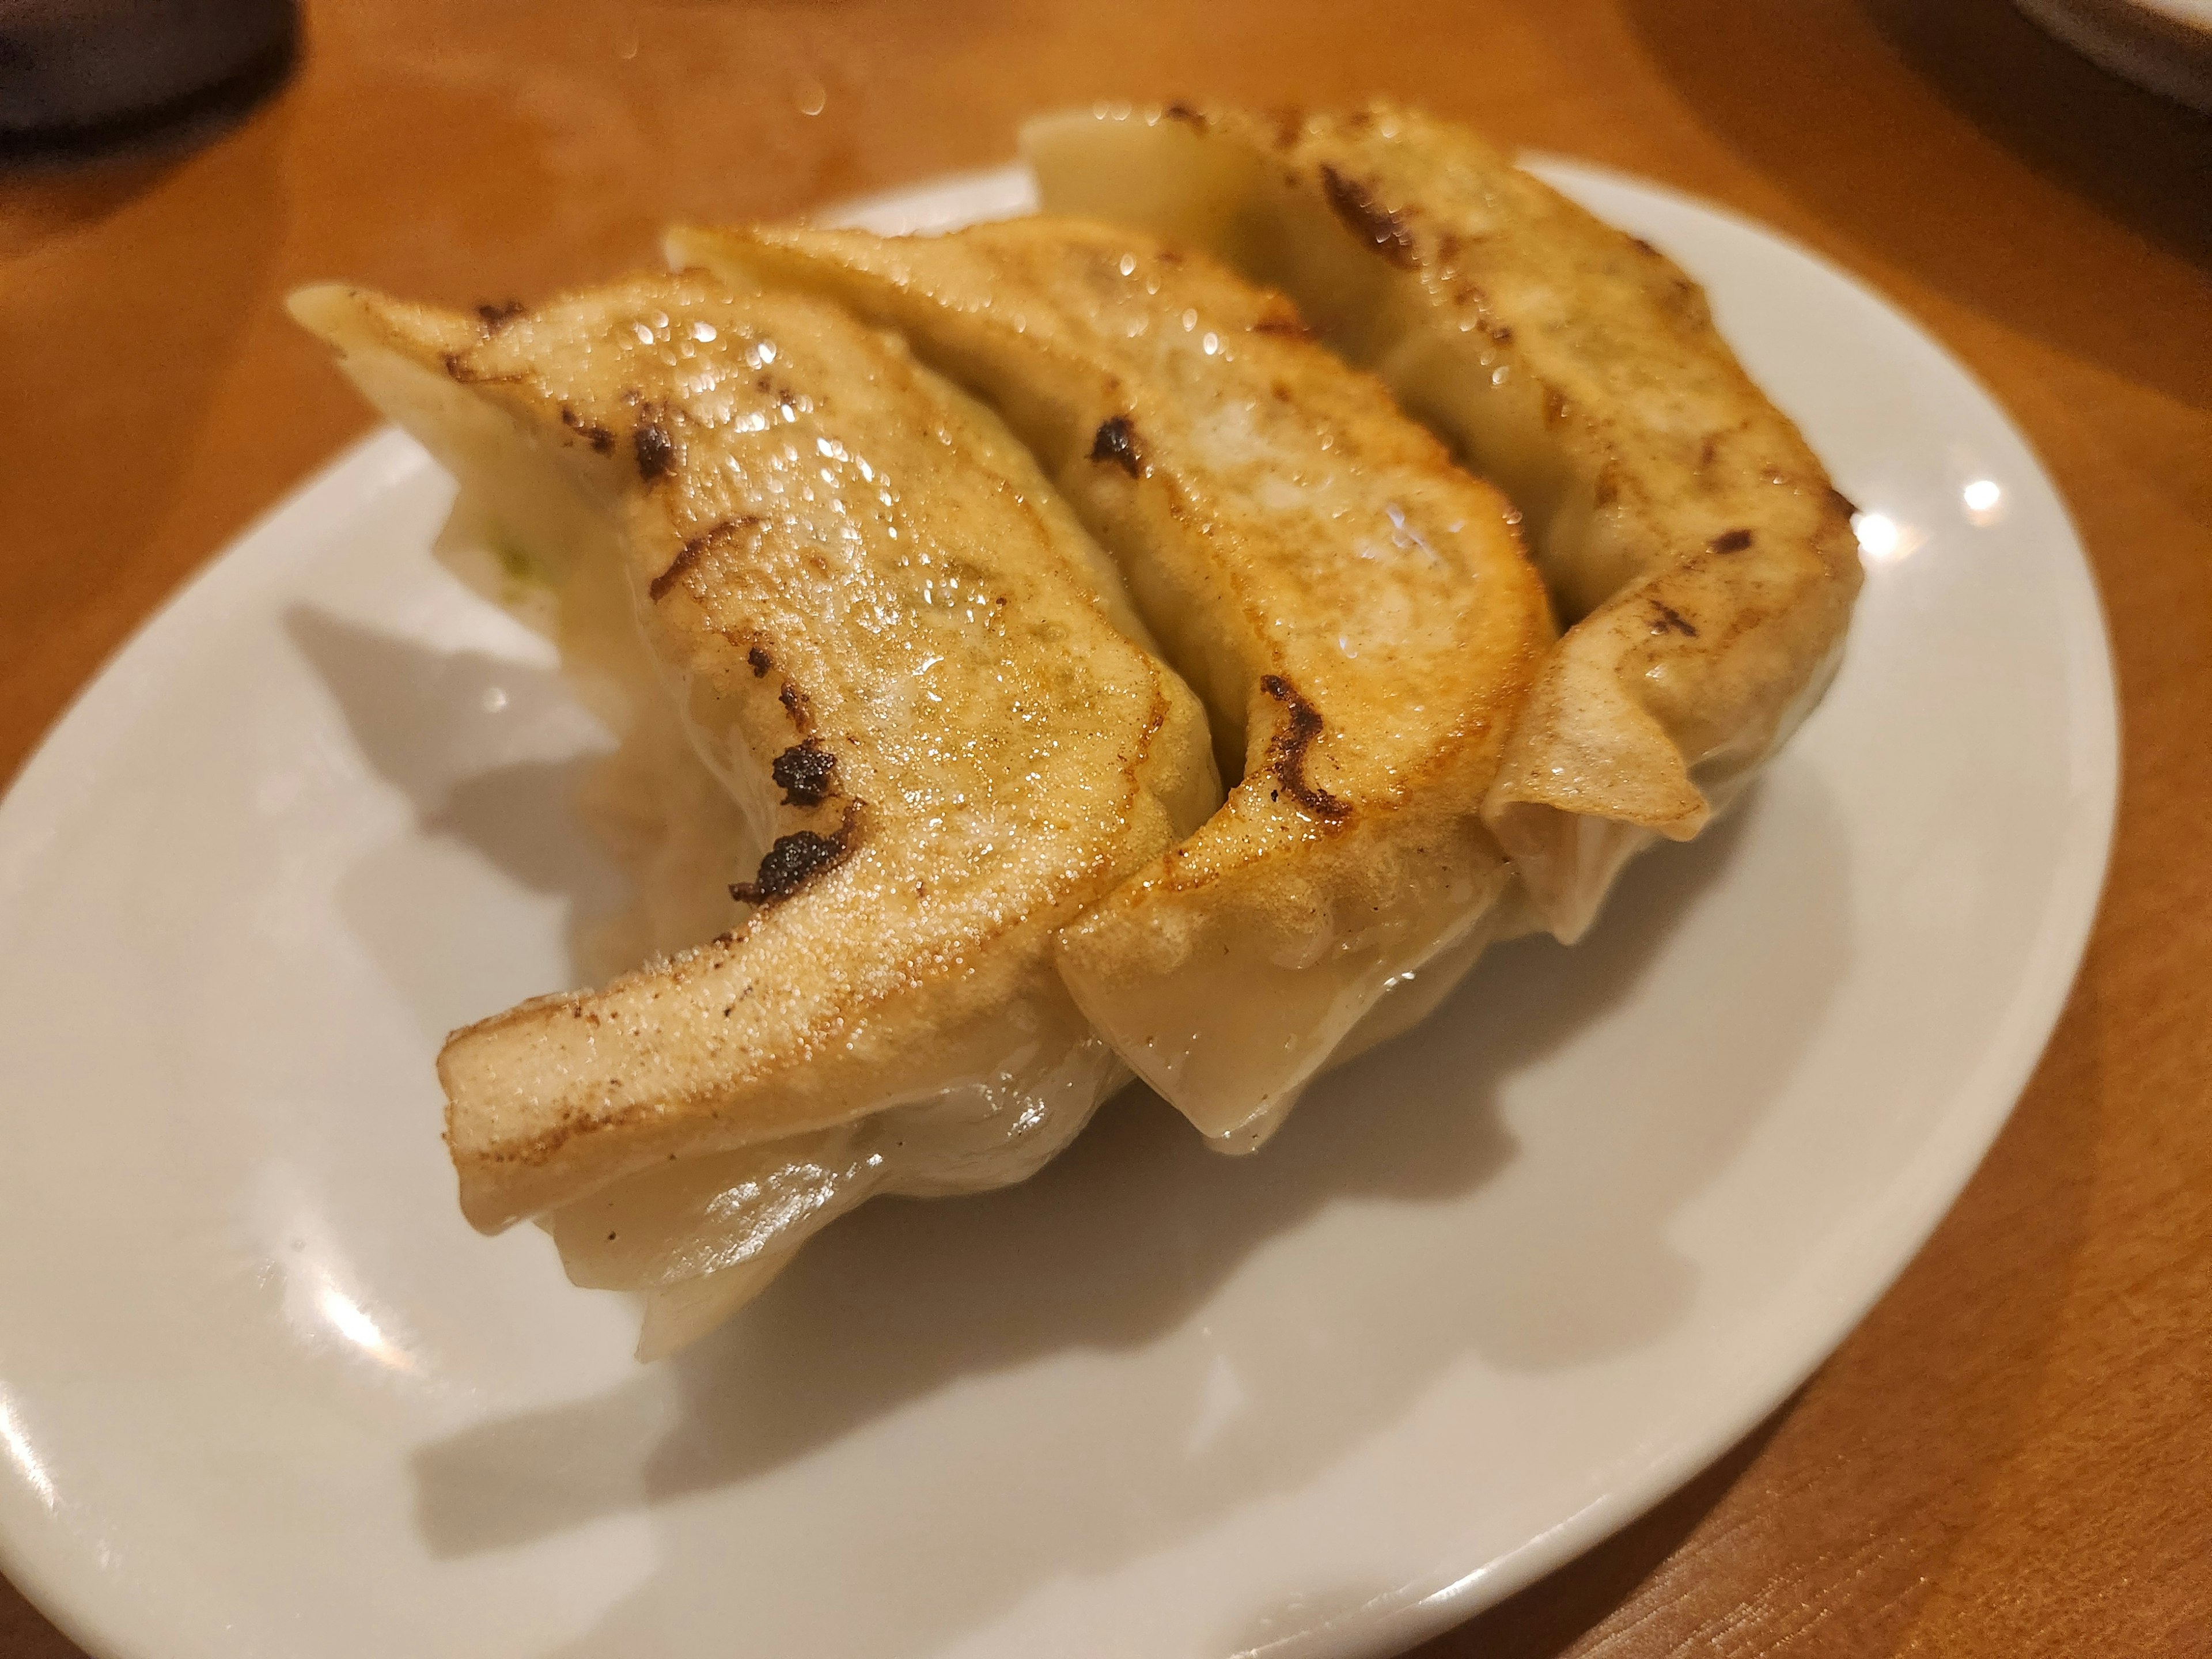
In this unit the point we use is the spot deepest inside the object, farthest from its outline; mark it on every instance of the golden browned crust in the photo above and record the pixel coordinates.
(1355, 611)
(1685, 529)
(915, 664)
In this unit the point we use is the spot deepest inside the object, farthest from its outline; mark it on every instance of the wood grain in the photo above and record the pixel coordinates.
(2012, 1455)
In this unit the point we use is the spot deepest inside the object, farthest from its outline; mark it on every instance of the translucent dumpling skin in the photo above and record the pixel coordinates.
(902, 659)
(1685, 528)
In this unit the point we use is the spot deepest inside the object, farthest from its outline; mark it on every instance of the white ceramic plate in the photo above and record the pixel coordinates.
(1493, 1290)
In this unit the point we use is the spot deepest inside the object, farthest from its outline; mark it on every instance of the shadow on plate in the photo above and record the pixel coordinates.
(2053, 175)
(423, 718)
(1123, 1244)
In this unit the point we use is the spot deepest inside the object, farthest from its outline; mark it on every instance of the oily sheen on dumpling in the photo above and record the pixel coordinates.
(915, 674)
(1689, 534)
(1355, 611)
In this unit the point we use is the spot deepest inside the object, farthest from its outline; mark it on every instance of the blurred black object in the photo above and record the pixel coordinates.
(84, 75)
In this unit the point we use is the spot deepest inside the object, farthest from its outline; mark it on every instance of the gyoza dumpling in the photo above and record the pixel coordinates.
(1355, 611)
(1685, 529)
(904, 658)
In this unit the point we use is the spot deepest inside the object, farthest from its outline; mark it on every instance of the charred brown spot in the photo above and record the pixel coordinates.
(655, 449)
(805, 772)
(686, 556)
(1706, 453)
(1116, 442)
(1730, 541)
(601, 440)
(1286, 750)
(794, 860)
(1366, 218)
(760, 662)
(1672, 621)
(497, 316)
(1501, 332)
(1642, 246)
(690, 553)
(1606, 489)
(795, 705)
(1185, 113)
(456, 364)
(788, 866)
(1842, 502)
(1284, 323)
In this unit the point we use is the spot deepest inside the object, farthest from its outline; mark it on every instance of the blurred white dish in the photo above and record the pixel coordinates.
(1496, 1288)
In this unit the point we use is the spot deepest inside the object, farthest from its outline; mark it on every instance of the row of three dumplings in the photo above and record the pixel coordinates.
(977, 642)
(965, 571)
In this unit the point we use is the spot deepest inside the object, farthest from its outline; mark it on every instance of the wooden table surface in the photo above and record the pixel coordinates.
(2012, 1455)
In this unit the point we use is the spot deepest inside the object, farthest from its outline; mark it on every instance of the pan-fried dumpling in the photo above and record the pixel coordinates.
(1686, 531)
(922, 682)
(1355, 611)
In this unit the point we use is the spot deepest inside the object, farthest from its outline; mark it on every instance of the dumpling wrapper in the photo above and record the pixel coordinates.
(1689, 534)
(906, 662)
(1355, 611)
